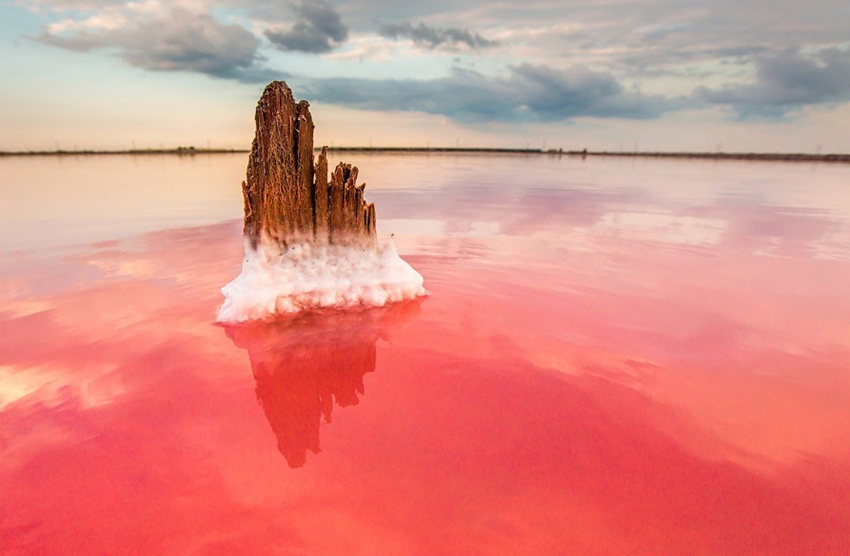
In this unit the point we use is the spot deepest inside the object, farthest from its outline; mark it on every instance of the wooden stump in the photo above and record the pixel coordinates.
(288, 198)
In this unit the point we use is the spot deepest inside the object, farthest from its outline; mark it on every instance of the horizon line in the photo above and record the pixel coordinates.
(716, 155)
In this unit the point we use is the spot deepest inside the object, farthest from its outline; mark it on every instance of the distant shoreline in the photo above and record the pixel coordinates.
(182, 151)
(787, 157)
(191, 151)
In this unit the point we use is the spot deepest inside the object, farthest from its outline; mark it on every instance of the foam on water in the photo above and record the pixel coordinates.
(302, 277)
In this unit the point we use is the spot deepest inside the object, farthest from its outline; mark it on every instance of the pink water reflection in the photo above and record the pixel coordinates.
(604, 370)
(305, 365)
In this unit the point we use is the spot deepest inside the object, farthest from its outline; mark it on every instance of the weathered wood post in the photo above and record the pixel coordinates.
(288, 198)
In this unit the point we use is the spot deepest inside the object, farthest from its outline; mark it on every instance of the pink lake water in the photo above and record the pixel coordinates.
(643, 357)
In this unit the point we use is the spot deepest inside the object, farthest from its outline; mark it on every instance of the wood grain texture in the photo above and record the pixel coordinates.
(288, 198)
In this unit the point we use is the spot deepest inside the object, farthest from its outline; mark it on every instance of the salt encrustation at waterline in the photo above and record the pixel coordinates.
(310, 241)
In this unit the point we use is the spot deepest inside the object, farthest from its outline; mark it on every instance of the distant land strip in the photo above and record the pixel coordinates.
(191, 151)
(183, 151)
(788, 157)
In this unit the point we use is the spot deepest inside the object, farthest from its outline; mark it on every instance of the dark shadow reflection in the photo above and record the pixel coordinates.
(303, 364)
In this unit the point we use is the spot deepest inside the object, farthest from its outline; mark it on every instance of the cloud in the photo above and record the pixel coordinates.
(318, 29)
(67, 5)
(786, 81)
(529, 93)
(163, 40)
(664, 45)
(432, 37)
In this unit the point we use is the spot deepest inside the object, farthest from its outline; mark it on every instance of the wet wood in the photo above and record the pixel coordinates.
(288, 197)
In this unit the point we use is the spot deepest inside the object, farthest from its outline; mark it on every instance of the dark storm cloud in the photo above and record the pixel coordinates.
(318, 28)
(529, 93)
(786, 81)
(433, 37)
(176, 40)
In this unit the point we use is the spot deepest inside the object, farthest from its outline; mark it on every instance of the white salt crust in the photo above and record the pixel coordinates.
(305, 276)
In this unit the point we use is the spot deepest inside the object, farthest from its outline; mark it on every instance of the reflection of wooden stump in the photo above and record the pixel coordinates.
(298, 385)
(303, 365)
(288, 199)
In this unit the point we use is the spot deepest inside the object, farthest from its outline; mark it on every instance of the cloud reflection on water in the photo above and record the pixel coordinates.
(563, 389)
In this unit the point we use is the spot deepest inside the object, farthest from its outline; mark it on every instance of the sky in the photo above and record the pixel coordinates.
(617, 75)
